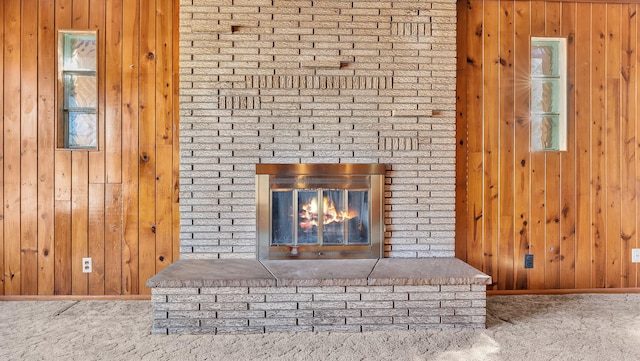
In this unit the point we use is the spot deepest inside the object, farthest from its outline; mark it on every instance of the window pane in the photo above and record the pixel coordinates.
(82, 130)
(544, 96)
(80, 51)
(80, 91)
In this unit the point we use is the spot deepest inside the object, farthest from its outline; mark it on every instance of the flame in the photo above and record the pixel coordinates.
(309, 213)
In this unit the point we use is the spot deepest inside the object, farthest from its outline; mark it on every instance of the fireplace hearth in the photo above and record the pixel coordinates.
(319, 211)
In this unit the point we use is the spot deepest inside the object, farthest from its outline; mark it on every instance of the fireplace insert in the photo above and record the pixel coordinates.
(319, 211)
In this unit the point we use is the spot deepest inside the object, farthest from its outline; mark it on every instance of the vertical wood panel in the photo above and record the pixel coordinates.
(176, 130)
(29, 149)
(113, 143)
(79, 221)
(628, 233)
(491, 133)
(475, 60)
(79, 186)
(11, 152)
(461, 135)
(598, 63)
(113, 91)
(506, 145)
(568, 159)
(164, 134)
(97, 158)
(612, 146)
(148, 159)
(46, 142)
(130, 117)
(522, 68)
(62, 190)
(538, 180)
(97, 238)
(2, 240)
(113, 239)
(552, 178)
(583, 147)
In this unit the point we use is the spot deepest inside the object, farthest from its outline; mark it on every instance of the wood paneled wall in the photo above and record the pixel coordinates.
(117, 205)
(576, 211)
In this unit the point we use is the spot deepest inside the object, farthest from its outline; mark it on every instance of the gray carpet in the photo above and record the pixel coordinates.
(527, 327)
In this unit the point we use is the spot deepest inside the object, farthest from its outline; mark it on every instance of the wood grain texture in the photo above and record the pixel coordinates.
(29, 150)
(62, 205)
(46, 41)
(574, 210)
(11, 152)
(2, 247)
(567, 256)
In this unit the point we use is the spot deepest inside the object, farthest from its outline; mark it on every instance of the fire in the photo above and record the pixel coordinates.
(309, 213)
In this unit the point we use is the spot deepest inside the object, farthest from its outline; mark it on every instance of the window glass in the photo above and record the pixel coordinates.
(78, 125)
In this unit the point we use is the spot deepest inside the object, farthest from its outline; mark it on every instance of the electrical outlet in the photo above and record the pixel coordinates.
(87, 266)
(528, 261)
(635, 255)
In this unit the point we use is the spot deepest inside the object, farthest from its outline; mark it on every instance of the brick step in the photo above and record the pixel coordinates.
(249, 296)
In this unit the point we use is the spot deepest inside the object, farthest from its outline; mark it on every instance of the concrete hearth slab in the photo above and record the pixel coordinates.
(425, 271)
(213, 273)
(336, 272)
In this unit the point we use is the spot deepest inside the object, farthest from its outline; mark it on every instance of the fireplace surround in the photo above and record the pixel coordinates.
(316, 82)
(319, 211)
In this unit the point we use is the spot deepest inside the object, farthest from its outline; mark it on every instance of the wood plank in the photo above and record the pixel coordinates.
(568, 158)
(113, 92)
(2, 249)
(176, 132)
(11, 152)
(130, 152)
(164, 72)
(80, 14)
(635, 268)
(612, 147)
(522, 152)
(506, 226)
(552, 178)
(46, 145)
(461, 132)
(583, 147)
(29, 149)
(62, 241)
(147, 137)
(97, 20)
(62, 182)
(164, 134)
(628, 231)
(164, 207)
(538, 191)
(491, 135)
(96, 245)
(598, 106)
(475, 235)
(113, 239)
(79, 221)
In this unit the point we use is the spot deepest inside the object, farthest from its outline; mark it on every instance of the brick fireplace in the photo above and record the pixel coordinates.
(317, 82)
(287, 81)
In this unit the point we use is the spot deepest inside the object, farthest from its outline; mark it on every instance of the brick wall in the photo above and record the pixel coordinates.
(333, 308)
(286, 81)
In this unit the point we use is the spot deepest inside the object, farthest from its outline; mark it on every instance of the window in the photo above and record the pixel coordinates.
(77, 90)
(548, 94)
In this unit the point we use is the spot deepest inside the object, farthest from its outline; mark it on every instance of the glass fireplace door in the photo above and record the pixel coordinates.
(307, 216)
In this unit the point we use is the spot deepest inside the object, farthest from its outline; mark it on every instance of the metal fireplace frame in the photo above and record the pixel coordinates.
(309, 176)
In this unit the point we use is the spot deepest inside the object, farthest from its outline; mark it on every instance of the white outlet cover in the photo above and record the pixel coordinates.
(635, 255)
(87, 266)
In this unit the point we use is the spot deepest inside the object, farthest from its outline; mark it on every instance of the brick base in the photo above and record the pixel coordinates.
(349, 305)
